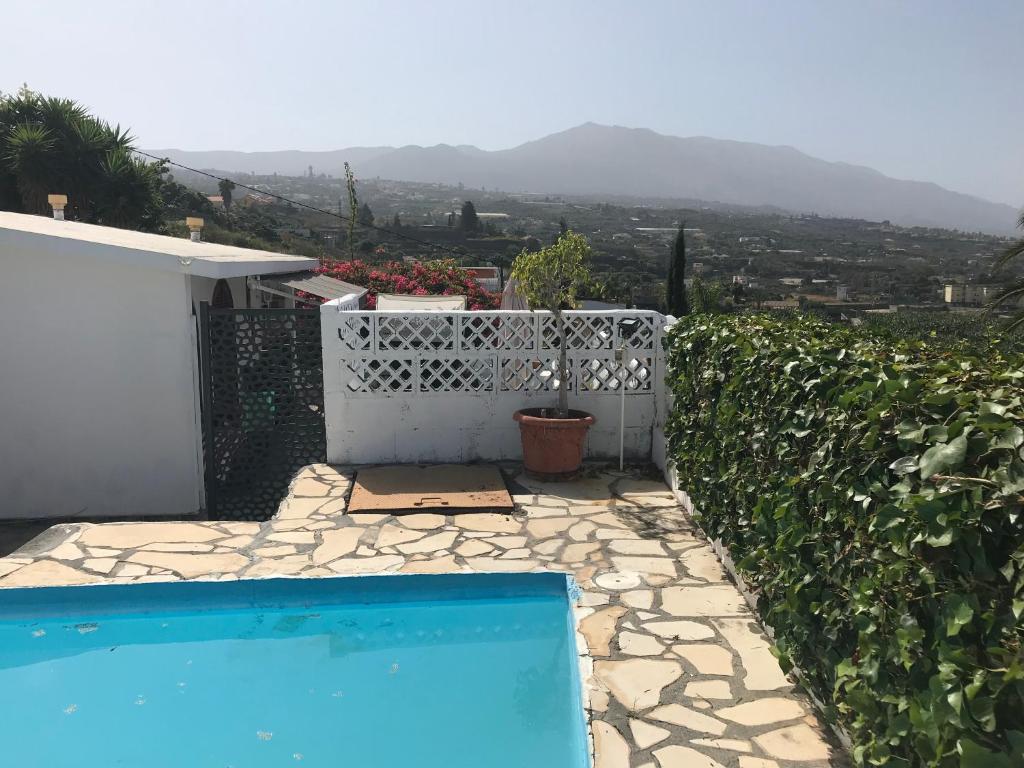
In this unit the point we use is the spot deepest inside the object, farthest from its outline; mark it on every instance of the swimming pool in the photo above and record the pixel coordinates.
(367, 672)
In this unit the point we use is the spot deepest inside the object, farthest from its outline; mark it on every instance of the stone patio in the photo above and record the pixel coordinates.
(678, 674)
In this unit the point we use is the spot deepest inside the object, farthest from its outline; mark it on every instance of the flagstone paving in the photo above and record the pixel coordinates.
(677, 674)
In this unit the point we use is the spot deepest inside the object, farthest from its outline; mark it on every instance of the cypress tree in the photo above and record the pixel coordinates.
(675, 298)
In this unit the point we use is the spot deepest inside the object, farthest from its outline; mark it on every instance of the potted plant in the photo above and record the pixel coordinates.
(553, 438)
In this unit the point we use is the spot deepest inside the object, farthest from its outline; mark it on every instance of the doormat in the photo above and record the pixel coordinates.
(431, 488)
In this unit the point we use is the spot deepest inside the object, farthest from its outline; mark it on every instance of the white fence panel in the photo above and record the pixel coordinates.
(417, 386)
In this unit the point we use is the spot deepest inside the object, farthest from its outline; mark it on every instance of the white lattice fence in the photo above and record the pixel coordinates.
(418, 386)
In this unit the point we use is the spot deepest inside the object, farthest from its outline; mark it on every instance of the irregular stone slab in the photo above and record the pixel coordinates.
(733, 745)
(508, 542)
(101, 564)
(677, 714)
(797, 742)
(422, 521)
(235, 542)
(646, 735)
(280, 566)
(240, 529)
(617, 581)
(716, 600)
(336, 543)
(494, 565)
(610, 749)
(650, 501)
(190, 565)
(516, 554)
(581, 531)
(131, 570)
(709, 689)
(635, 644)
(637, 683)
(761, 667)
(680, 630)
(66, 551)
(548, 526)
(675, 756)
(473, 547)
(641, 598)
(293, 537)
(485, 521)
(445, 564)
(294, 509)
(309, 486)
(432, 543)
(757, 762)
(599, 628)
(636, 547)
(707, 659)
(608, 534)
(607, 520)
(392, 534)
(593, 599)
(376, 564)
(763, 711)
(702, 563)
(577, 553)
(134, 535)
(657, 566)
(278, 551)
(548, 547)
(46, 573)
(367, 518)
(165, 547)
(334, 506)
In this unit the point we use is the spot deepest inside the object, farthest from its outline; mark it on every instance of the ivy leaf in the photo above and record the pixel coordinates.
(944, 456)
(973, 755)
(904, 465)
(958, 613)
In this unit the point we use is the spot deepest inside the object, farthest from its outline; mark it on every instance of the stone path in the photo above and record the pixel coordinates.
(677, 672)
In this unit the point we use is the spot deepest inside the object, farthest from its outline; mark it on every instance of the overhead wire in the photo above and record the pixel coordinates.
(325, 211)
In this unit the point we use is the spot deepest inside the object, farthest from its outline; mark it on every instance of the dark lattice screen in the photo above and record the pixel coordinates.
(263, 406)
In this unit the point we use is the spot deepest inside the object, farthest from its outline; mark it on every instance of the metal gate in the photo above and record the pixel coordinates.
(263, 405)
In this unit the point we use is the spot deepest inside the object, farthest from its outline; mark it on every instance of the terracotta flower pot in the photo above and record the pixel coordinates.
(552, 447)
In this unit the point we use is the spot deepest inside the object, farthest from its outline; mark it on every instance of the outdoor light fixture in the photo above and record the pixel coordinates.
(195, 227)
(58, 203)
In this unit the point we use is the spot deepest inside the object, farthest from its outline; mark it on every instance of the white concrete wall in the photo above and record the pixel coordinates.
(367, 422)
(97, 405)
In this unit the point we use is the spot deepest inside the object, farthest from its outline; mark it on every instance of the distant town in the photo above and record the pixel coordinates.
(763, 258)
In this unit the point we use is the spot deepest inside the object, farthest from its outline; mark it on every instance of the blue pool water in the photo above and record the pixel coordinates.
(365, 672)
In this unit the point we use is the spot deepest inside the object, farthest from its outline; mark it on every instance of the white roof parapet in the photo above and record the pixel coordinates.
(19, 232)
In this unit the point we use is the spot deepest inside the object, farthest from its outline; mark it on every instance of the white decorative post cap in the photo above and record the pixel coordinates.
(58, 203)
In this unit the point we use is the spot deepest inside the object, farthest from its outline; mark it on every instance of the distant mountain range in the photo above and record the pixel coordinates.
(593, 159)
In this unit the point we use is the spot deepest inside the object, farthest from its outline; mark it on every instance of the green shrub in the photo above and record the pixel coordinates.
(870, 491)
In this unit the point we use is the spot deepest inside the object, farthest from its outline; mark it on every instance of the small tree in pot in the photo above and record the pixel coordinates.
(549, 279)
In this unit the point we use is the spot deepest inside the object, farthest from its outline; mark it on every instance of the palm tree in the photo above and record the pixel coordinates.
(1015, 292)
(50, 145)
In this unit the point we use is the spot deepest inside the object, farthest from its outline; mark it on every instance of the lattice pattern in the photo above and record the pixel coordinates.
(419, 332)
(606, 374)
(457, 375)
(481, 331)
(376, 375)
(590, 332)
(355, 332)
(457, 352)
(526, 375)
(263, 406)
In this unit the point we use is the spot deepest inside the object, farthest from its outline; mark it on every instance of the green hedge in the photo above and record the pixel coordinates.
(871, 492)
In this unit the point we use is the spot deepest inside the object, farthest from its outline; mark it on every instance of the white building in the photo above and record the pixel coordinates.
(98, 385)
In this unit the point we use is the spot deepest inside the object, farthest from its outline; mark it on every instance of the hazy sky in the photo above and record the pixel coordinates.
(928, 90)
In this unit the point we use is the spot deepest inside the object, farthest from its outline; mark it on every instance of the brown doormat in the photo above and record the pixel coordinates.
(429, 488)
